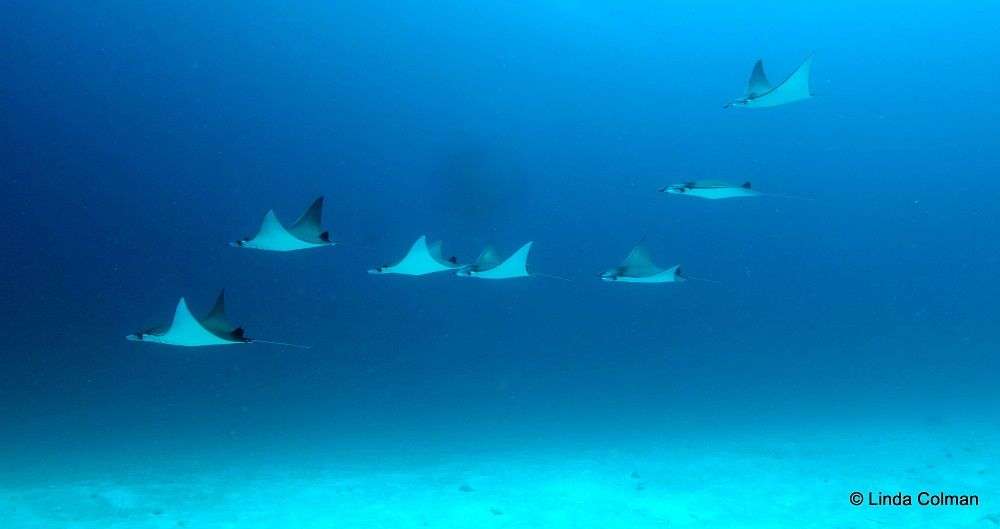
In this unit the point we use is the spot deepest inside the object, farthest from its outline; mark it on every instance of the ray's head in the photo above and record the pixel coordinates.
(245, 242)
(142, 336)
(612, 275)
(377, 270)
(741, 102)
(675, 189)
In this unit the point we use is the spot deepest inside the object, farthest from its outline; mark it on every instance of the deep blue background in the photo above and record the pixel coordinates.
(138, 138)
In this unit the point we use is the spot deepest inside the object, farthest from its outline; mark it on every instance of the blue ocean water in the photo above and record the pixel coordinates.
(847, 341)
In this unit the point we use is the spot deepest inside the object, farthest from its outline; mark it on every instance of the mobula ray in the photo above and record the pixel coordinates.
(422, 259)
(186, 330)
(760, 93)
(638, 267)
(305, 233)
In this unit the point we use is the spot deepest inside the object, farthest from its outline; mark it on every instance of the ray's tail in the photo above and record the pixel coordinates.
(702, 279)
(549, 276)
(285, 344)
(366, 245)
(793, 197)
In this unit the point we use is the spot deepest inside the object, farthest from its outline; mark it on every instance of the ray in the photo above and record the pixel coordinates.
(186, 330)
(717, 190)
(711, 189)
(420, 260)
(514, 266)
(638, 267)
(760, 94)
(305, 233)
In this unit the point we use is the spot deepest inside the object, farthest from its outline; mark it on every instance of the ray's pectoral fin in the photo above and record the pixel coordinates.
(311, 217)
(761, 94)
(758, 83)
(308, 226)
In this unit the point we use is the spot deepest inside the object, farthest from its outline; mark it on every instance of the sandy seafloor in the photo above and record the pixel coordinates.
(797, 479)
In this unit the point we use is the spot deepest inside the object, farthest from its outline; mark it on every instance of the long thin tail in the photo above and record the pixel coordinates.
(282, 343)
(702, 279)
(552, 277)
(354, 244)
(793, 197)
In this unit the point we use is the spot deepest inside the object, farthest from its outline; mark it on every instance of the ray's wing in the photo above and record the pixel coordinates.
(185, 329)
(270, 227)
(434, 250)
(795, 88)
(417, 253)
(183, 319)
(308, 227)
(758, 84)
(519, 261)
(487, 259)
(421, 259)
(797, 84)
(417, 250)
(640, 263)
(514, 266)
(215, 321)
(711, 184)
